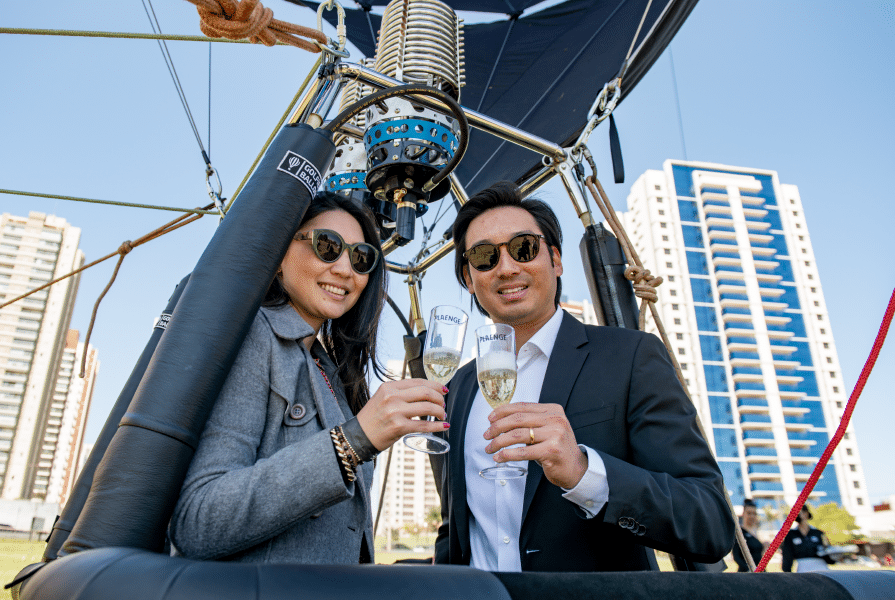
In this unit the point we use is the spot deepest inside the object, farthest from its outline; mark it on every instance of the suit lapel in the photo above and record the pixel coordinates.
(463, 393)
(566, 360)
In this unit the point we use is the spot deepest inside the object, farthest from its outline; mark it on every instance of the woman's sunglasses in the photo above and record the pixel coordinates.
(328, 246)
(522, 248)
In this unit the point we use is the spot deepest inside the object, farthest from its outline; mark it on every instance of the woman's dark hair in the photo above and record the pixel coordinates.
(504, 193)
(807, 509)
(351, 339)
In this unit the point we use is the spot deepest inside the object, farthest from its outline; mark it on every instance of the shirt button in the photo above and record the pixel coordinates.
(506, 540)
(589, 503)
(503, 482)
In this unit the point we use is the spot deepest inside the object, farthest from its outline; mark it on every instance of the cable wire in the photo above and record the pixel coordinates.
(169, 62)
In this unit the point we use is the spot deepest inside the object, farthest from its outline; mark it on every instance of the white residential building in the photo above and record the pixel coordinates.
(744, 309)
(33, 332)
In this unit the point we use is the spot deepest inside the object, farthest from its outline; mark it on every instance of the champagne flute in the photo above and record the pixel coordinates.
(496, 368)
(441, 357)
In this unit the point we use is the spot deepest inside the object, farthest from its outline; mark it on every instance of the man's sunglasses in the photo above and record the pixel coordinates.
(522, 248)
(328, 246)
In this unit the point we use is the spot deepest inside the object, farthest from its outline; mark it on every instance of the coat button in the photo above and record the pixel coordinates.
(641, 529)
(625, 522)
(297, 411)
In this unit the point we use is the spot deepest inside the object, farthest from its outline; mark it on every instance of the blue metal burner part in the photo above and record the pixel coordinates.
(428, 132)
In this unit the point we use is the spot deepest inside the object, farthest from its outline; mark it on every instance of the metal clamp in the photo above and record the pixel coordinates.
(335, 51)
(605, 103)
(214, 194)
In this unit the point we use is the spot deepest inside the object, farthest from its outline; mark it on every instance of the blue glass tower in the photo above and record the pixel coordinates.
(744, 309)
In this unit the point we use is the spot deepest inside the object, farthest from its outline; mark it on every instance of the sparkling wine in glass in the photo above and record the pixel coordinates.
(496, 368)
(441, 357)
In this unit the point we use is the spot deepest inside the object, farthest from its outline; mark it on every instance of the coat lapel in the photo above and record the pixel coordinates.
(463, 393)
(566, 359)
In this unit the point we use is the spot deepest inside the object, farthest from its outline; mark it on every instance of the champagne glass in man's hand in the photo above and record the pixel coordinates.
(496, 367)
(441, 357)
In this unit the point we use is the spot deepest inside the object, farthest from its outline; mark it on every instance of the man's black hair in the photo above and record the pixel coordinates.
(749, 503)
(504, 193)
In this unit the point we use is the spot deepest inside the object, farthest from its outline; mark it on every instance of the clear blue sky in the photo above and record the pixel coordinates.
(804, 89)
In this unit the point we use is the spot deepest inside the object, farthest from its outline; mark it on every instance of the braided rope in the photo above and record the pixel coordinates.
(197, 211)
(117, 35)
(249, 19)
(837, 437)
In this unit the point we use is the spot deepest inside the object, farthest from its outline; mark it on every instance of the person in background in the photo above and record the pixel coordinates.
(805, 542)
(749, 525)
(282, 472)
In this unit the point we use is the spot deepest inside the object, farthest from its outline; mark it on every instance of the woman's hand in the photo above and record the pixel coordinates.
(389, 413)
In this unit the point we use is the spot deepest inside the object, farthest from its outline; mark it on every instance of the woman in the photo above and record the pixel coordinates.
(805, 544)
(282, 472)
(749, 524)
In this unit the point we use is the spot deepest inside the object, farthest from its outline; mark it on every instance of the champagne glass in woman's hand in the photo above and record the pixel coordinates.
(496, 367)
(441, 357)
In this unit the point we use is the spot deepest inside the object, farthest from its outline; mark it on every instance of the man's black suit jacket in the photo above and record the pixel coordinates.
(622, 399)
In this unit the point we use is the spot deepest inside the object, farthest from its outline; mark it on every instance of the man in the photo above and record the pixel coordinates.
(749, 522)
(616, 461)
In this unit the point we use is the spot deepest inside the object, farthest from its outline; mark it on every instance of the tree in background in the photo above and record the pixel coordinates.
(433, 519)
(836, 522)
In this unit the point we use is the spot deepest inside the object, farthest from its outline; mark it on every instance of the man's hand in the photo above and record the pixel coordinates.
(554, 447)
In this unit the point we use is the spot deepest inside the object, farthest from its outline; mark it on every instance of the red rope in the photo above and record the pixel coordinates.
(846, 417)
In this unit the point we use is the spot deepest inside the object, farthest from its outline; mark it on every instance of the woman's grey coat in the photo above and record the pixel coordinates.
(265, 483)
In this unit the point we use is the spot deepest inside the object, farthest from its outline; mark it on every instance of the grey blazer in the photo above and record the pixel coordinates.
(265, 484)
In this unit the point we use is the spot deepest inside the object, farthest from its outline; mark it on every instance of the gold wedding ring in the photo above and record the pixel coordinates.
(531, 436)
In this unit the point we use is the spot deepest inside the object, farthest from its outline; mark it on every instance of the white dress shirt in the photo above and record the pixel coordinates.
(495, 506)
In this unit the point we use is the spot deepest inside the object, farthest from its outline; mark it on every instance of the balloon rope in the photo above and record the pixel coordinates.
(840, 431)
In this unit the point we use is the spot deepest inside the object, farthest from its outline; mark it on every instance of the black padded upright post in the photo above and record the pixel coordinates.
(66, 521)
(139, 478)
(604, 267)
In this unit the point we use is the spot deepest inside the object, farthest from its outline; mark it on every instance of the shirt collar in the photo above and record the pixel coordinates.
(286, 323)
(545, 337)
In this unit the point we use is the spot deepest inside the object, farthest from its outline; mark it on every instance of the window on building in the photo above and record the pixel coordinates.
(661, 212)
(848, 451)
(820, 317)
(836, 391)
(677, 321)
(823, 331)
(675, 306)
(860, 501)
(857, 484)
(804, 251)
(658, 187)
(853, 468)
(839, 405)
(813, 290)
(798, 226)
(816, 303)
(680, 336)
(683, 366)
(826, 344)
(667, 250)
(687, 382)
(672, 292)
(791, 201)
(663, 225)
(671, 278)
(833, 374)
(807, 263)
(845, 436)
(681, 351)
(810, 276)
(664, 238)
(669, 265)
(829, 360)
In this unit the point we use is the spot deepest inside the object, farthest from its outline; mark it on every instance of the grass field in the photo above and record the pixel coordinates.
(17, 554)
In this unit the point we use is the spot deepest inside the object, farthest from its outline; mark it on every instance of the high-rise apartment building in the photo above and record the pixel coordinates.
(33, 333)
(63, 438)
(744, 309)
